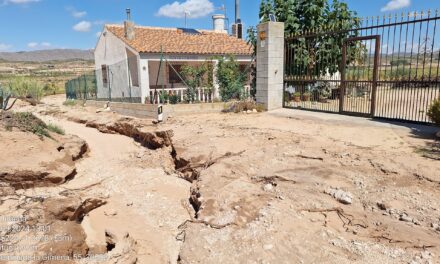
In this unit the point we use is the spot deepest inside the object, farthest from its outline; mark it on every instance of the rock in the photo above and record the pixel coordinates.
(105, 109)
(438, 134)
(110, 212)
(383, 206)
(405, 218)
(268, 246)
(268, 187)
(341, 196)
(249, 111)
(435, 226)
(426, 255)
(254, 111)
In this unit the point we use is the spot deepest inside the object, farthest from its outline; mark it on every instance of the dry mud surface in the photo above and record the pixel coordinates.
(224, 188)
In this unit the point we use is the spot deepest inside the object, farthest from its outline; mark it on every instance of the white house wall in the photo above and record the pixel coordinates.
(111, 51)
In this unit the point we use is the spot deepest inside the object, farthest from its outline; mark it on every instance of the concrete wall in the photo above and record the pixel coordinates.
(270, 64)
(185, 109)
(128, 109)
(112, 51)
(150, 111)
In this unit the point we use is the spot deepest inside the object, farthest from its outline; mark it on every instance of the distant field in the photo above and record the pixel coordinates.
(53, 74)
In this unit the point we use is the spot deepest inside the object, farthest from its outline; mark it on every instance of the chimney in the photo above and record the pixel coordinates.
(237, 12)
(237, 28)
(219, 23)
(129, 26)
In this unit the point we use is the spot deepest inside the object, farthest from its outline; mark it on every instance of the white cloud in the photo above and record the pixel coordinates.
(396, 4)
(75, 13)
(4, 47)
(36, 45)
(32, 45)
(20, 2)
(79, 14)
(83, 26)
(195, 8)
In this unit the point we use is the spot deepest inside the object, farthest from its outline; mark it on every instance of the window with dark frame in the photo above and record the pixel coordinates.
(104, 70)
(173, 77)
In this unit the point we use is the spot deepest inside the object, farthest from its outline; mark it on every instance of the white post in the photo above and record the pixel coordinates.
(145, 80)
(216, 92)
(270, 64)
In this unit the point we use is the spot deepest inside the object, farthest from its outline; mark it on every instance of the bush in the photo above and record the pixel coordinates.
(25, 121)
(72, 102)
(56, 129)
(231, 80)
(434, 111)
(240, 106)
(174, 99)
(195, 77)
(26, 88)
(399, 62)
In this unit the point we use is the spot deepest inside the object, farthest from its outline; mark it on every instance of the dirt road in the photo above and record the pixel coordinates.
(145, 203)
(280, 187)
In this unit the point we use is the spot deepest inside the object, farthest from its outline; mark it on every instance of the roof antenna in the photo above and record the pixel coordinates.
(187, 14)
(128, 10)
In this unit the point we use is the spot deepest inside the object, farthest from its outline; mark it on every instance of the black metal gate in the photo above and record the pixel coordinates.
(385, 67)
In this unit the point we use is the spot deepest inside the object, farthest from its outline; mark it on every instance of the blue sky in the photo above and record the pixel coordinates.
(43, 24)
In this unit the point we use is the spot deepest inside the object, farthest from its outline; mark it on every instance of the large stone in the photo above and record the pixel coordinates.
(341, 196)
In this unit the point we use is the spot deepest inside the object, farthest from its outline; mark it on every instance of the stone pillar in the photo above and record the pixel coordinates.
(270, 64)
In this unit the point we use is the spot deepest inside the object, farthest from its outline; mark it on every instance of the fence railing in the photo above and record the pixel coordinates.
(386, 67)
(83, 87)
(173, 95)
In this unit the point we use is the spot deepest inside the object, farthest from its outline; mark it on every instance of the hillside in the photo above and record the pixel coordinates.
(47, 55)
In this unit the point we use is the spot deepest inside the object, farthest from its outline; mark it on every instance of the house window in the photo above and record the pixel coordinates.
(172, 75)
(104, 70)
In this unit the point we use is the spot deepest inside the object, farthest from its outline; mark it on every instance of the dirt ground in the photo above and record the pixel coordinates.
(279, 187)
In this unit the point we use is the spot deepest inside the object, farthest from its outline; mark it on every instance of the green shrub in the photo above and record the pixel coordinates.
(174, 99)
(27, 122)
(69, 102)
(231, 81)
(56, 129)
(434, 111)
(399, 62)
(22, 87)
(195, 77)
(163, 97)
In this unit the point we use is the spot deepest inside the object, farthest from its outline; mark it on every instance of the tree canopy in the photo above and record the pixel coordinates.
(315, 55)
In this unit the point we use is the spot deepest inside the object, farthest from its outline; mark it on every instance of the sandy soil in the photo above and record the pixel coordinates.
(279, 187)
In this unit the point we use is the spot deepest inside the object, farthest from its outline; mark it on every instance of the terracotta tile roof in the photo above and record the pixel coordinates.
(173, 40)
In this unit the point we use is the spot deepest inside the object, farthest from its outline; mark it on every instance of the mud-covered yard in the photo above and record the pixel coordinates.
(279, 187)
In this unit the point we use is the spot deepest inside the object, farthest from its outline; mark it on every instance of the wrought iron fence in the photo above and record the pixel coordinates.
(386, 67)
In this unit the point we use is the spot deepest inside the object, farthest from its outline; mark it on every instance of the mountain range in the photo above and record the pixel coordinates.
(47, 55)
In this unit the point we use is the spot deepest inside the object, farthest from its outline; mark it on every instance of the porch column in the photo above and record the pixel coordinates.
(270, 64)
(215, 80)
(145, 80)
